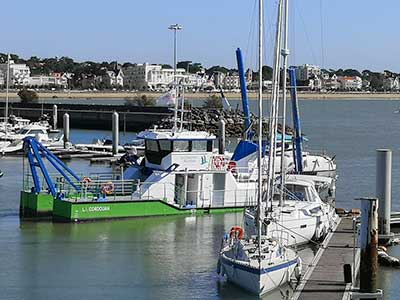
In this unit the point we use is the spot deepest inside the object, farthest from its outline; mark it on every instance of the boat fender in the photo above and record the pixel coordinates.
(107, 188)
(219, 267)
(298, 269)
(237, 232)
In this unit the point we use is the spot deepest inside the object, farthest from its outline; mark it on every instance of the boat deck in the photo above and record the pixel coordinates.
(325, 278)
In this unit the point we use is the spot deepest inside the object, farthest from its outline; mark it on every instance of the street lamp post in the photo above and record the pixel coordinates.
(175, 28)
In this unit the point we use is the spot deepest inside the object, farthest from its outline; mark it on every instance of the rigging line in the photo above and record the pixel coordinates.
(306, 34)
(322, 35)
(250, 38)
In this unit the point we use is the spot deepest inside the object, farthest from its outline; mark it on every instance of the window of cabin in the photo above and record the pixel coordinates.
(181, 146)
(297, 192)
(165, 145)
(199, 146)
(151, 146)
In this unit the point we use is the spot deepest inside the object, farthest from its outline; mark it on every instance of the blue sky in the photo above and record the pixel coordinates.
(356, 34)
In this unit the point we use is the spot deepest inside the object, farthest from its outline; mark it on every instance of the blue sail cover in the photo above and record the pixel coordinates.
(246, 148)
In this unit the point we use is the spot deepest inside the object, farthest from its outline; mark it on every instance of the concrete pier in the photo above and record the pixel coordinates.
(55, 116)
(384, 189)
(115, 133)
(325, 278)
(66, 130)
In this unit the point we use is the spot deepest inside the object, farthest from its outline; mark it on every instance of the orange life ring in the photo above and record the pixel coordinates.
(107, 188)
(86, 181)
(237, 232)
(218, 162)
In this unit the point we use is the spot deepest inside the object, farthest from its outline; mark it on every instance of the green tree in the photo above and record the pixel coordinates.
(27, 96)
(213, 101)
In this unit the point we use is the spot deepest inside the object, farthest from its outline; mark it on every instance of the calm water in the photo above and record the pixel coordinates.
(175, 257)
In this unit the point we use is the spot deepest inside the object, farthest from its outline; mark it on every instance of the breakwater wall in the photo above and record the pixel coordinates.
(132, 118)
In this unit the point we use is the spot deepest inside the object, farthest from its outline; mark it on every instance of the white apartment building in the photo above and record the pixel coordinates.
(150, 77)
(306, 71)
(350, 83)
(52, 80)
(228, 81)
(231, 82)
(195, 81)
(2, 78)
(19, 73)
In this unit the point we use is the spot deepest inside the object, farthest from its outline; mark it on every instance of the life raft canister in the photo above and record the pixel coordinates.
(237, 232)
(107, 188)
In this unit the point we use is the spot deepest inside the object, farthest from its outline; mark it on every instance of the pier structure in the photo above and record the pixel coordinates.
(323, 280)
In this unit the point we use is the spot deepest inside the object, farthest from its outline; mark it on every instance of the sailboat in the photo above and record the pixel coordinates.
(294, 204)
(260, 263)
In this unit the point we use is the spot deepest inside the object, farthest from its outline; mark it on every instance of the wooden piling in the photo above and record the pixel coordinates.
(369, 245)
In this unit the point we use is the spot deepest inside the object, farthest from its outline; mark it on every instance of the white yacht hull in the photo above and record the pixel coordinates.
(255, 280)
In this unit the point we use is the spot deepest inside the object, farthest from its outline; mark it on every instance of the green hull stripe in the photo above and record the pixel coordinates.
(81, 211)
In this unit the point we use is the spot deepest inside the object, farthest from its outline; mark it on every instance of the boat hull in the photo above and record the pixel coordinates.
(258, 281)
(67, 211)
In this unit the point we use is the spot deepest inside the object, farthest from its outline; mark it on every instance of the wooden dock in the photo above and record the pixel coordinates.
(324, 278)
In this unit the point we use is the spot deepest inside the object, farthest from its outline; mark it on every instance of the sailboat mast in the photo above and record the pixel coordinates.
(7, 87)
(274, 106)
(285, 53)
(260, 124)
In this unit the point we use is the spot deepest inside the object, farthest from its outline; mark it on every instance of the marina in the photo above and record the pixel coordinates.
(160, 194)
(117, 231)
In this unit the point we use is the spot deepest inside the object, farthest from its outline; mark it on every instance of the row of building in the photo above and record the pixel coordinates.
(145, 76)
(20, 75)
(152, 77)
(314, 78)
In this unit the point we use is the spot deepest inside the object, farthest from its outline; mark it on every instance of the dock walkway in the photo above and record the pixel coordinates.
(325, 279)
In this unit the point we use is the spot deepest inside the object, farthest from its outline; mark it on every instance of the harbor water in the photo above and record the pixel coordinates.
(175, 257)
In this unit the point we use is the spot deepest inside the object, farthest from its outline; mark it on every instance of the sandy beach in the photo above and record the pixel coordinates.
(201, 96)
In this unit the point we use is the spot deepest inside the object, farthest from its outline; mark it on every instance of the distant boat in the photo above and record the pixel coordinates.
(1, 173)
(397, 111)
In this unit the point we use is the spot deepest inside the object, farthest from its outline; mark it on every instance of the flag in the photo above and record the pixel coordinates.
(167, 99)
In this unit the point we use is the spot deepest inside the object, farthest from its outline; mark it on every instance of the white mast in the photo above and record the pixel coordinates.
(175, 28)
(260, 127)
(7, 87)
(274, 106)
(285, 53)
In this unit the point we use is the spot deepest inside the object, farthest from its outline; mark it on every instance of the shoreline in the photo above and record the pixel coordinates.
(202, 96)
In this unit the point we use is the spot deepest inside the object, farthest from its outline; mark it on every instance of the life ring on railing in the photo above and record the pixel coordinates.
(237, 232)
(232, 167)
(218, 162)
(86, 181)
(107, 188)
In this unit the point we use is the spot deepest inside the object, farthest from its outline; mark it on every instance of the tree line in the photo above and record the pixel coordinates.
(45, 66)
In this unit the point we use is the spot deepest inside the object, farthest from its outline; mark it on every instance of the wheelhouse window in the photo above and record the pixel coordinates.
(165, 145)
(181, 146)
(199, 146)
(157, 150)
(151, 146)
(296, 192)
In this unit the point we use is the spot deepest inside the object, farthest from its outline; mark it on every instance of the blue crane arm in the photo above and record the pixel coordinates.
(34, 151)
(243, 91)
(296, 121)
